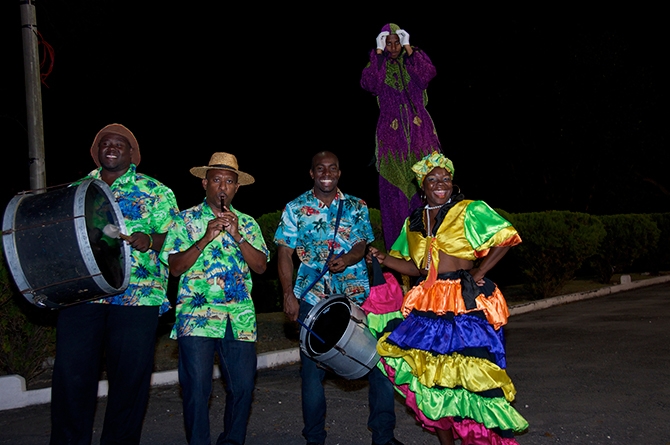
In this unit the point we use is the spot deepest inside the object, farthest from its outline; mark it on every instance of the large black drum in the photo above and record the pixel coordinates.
(335, 335)
(56, 249)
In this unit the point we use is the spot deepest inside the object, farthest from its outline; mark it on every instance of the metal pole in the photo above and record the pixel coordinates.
(31, 66)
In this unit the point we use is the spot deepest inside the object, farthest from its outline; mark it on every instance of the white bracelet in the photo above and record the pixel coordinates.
(242, 240)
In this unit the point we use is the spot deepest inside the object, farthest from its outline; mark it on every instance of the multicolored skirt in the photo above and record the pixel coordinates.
(444, 351)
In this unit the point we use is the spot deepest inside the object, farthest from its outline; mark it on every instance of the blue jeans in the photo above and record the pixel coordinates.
(238, 368)
(381, 420)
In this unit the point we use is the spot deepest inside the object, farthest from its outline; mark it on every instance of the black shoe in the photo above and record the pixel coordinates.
(393, 441)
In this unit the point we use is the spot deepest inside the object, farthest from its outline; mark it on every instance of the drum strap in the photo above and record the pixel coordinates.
(330, 252)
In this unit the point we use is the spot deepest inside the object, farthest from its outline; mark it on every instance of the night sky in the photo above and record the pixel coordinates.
(538, 111)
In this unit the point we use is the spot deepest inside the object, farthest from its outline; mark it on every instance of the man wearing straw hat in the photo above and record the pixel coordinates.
(121, 328)
(213, 246)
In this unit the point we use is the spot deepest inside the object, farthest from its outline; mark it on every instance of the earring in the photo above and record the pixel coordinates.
(459, 189)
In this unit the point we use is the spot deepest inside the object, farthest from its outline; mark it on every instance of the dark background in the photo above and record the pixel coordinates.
(538, 109)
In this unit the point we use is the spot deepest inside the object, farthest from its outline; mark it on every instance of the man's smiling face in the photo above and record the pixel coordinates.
(325, 172)
(114, 152)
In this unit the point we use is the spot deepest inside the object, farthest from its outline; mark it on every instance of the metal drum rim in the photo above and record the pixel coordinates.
(11, 252)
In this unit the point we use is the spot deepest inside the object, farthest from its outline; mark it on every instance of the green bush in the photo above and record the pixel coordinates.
(268, 224)
(628, 238)
(657, 258)
(376, 223)
(27, 333)
(507, 272)
(554, 246)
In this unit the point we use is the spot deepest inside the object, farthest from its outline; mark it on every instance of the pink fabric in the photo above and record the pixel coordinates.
(384, 298)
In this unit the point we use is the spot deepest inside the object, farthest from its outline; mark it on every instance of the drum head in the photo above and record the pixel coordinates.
(330, 324)
(107, 252)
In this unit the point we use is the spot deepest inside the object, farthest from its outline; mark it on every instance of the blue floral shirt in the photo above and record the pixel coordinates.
(307, 225)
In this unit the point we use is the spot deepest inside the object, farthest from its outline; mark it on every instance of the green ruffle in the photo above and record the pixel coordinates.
(438, 402)
(377, 322)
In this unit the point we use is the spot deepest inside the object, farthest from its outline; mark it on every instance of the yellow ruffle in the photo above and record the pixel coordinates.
(445, 296)
(449, 371)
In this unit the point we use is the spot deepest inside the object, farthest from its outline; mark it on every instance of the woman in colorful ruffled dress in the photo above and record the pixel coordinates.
(446, 352)
(398, 75)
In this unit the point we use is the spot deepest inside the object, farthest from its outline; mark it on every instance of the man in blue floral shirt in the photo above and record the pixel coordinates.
(307, 227)
(214, 248)
(121, 328)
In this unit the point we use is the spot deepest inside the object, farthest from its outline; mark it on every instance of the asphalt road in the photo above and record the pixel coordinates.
(590, 372)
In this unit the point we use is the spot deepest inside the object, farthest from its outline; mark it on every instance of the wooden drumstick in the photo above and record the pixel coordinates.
(113, 231)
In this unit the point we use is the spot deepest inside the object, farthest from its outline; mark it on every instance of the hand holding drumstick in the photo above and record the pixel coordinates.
(138, 240)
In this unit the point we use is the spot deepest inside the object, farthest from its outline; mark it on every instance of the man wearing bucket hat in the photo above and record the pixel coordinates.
(214, 247)
(121, 328)
(330, 231)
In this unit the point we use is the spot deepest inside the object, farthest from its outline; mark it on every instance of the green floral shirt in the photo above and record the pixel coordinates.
(217, 288)
(147, 206)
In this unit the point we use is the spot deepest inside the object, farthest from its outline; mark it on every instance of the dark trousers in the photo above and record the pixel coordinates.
(238, 364)
(381, 420)
(87, 333)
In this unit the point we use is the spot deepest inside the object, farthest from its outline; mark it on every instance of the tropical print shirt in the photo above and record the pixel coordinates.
(147, 206)
(217, 288)
(308, 226)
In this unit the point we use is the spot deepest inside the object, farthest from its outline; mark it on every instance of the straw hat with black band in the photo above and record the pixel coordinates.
(223, 161)
(121, 131)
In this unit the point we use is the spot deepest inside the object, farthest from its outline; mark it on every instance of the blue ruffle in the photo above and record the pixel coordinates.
(448, 334)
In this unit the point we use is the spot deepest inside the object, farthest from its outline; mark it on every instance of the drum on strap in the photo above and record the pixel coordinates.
(335, 335)
(55, 246)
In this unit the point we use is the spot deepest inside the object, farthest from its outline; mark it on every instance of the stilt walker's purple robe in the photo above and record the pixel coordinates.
(405, 130)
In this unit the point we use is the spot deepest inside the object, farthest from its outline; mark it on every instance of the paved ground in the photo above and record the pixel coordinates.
(589, 372)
